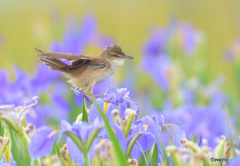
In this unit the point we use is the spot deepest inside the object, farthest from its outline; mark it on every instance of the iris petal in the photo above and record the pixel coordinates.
(42, 142)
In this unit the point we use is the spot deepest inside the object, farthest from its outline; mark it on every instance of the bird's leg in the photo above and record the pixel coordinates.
(85, 96)
(98, 95)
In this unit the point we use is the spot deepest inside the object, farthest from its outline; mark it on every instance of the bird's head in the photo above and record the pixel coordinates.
(115, 55)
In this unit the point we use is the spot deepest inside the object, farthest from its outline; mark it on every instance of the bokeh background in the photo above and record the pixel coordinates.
(209, 73)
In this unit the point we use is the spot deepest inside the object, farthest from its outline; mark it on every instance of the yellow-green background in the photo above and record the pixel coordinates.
(24, 24)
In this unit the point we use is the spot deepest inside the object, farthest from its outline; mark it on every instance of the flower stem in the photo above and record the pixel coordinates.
(86, 159)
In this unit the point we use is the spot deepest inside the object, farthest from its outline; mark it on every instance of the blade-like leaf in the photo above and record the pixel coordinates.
(121, 159)
(19, 150)
(11, 123)
(169, 127)
(219, 150)
(76, 140)
(166, 158)
(91, 138)
(154, 155)
(84, 111)
(129, 124)
(132, 143)
(144, 156)
(1, 128)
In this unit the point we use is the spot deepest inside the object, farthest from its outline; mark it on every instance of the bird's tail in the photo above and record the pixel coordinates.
(53, 64)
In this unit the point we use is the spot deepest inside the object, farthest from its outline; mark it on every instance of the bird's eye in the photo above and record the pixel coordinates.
(115, 55)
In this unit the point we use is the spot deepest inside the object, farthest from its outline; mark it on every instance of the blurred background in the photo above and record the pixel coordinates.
(186, 54)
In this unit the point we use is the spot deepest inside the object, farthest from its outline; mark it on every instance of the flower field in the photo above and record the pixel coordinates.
(173, 104)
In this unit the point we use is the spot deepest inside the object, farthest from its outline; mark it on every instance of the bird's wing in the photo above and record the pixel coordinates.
(51, 59)
(90, 60)
(60, 55)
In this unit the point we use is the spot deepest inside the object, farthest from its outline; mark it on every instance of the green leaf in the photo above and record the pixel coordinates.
(84, 111)
(79, 118)
(166, 158)
(121, 159)
(11, 123)
(144, 156)
(129, 124)
(219, 150)
(169, 127)
(154, 155)
(92, 136)
(172, 149)
(132, 143)
(76, 140)
(1, 128)
(56, 150)
(19, 150)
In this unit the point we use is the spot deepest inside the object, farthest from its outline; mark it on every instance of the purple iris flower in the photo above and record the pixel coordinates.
(158, 66)
(42, 142)
(176, 132)
(19, 91)
(4, 80)
(37, 115)
(101, 87)
(190, 38)
(19, 114)
(156, 44)
(43, 139)
(7, 107)
(107, 109)
(61, 106)
(116, 96)
(82, 130)
(208, 122)
(76, 153)
(23, 86)
(59, 110)
(121, 97)
(156, 59)
(13, 93)
(129, 103)
(150, 129)
(10, 163)
(43, 77)
(158, 119)
(152, 132)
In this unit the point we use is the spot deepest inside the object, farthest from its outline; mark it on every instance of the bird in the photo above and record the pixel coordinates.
(84, 71)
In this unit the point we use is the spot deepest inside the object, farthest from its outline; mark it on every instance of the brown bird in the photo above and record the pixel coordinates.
(86, 71)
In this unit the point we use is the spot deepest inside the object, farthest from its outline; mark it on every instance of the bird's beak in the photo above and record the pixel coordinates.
(127, 57)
